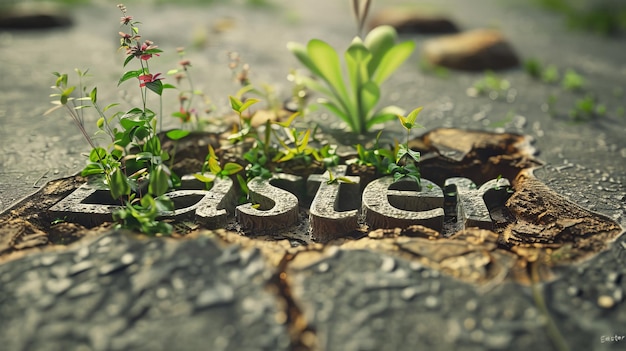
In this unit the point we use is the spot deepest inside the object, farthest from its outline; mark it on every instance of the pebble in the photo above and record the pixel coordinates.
(215, 296)
(388, 265)
(431, 301)
(573, 291)
(606, 301)
(323, 267)
(475, 50)
(80, 267)
(413, 21)
(58, 286)
(33, 18)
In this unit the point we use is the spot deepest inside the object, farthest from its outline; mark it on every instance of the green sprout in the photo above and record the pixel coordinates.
(406, 160)
(572, 81)
(212, 169)
(369, 63)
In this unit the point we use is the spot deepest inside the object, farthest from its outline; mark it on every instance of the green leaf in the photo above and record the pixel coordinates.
(231, 168)
(379, 41)
(129, 123)
(140, 133)
(214, 166)
(169, 86)
(370, 94)
(156, 86)
(242, 184)
(94, 95)
(327, 62)
(144, 156)
(92, 168)
(304, 141)
(205, 177)
(401, 152)
(148, 203)
(300, 52)
(65, 95)
(177, 134)
(235, 104)
(412, 116)
(159, 181)
(100, 122)
(153, 145)
(289, 120)
(392, 60)
(357, 57)
(118, 184)
(164, 203)
(415, 155)
(109, 106)
(247, 104)
(97, 155)
(128, 59)
(128, 75)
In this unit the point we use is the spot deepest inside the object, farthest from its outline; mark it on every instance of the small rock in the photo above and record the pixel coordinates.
(475, 50)
(413, 21)
(32, 18)
(606, 301)
(215, 296)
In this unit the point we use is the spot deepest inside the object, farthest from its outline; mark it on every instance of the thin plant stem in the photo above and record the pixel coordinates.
(551, 328)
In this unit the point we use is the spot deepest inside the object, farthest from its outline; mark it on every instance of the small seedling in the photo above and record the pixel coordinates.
(245, 120)
(533, 67)
(336, 180)
(212, 169)
(58, 221)
(586, 109)
(572, 81)
(491, 85)
(406, 160)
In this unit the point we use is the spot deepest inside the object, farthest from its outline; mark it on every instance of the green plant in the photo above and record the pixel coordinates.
(241, 74)
(587, 108)
(406, 160)
(187, 111)
(533, 67)
(301, 150)
(550, 74)
(572, 80)
(245, 121)
(336, 180)
(132, 165)
(376, 156)
(369, 63)
(491, 85)
(211, 169)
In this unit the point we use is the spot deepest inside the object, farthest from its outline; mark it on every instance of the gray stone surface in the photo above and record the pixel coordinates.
(119, 293)
(361, 300)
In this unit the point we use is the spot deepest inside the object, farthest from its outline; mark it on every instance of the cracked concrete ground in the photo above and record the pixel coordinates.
(120, 292)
